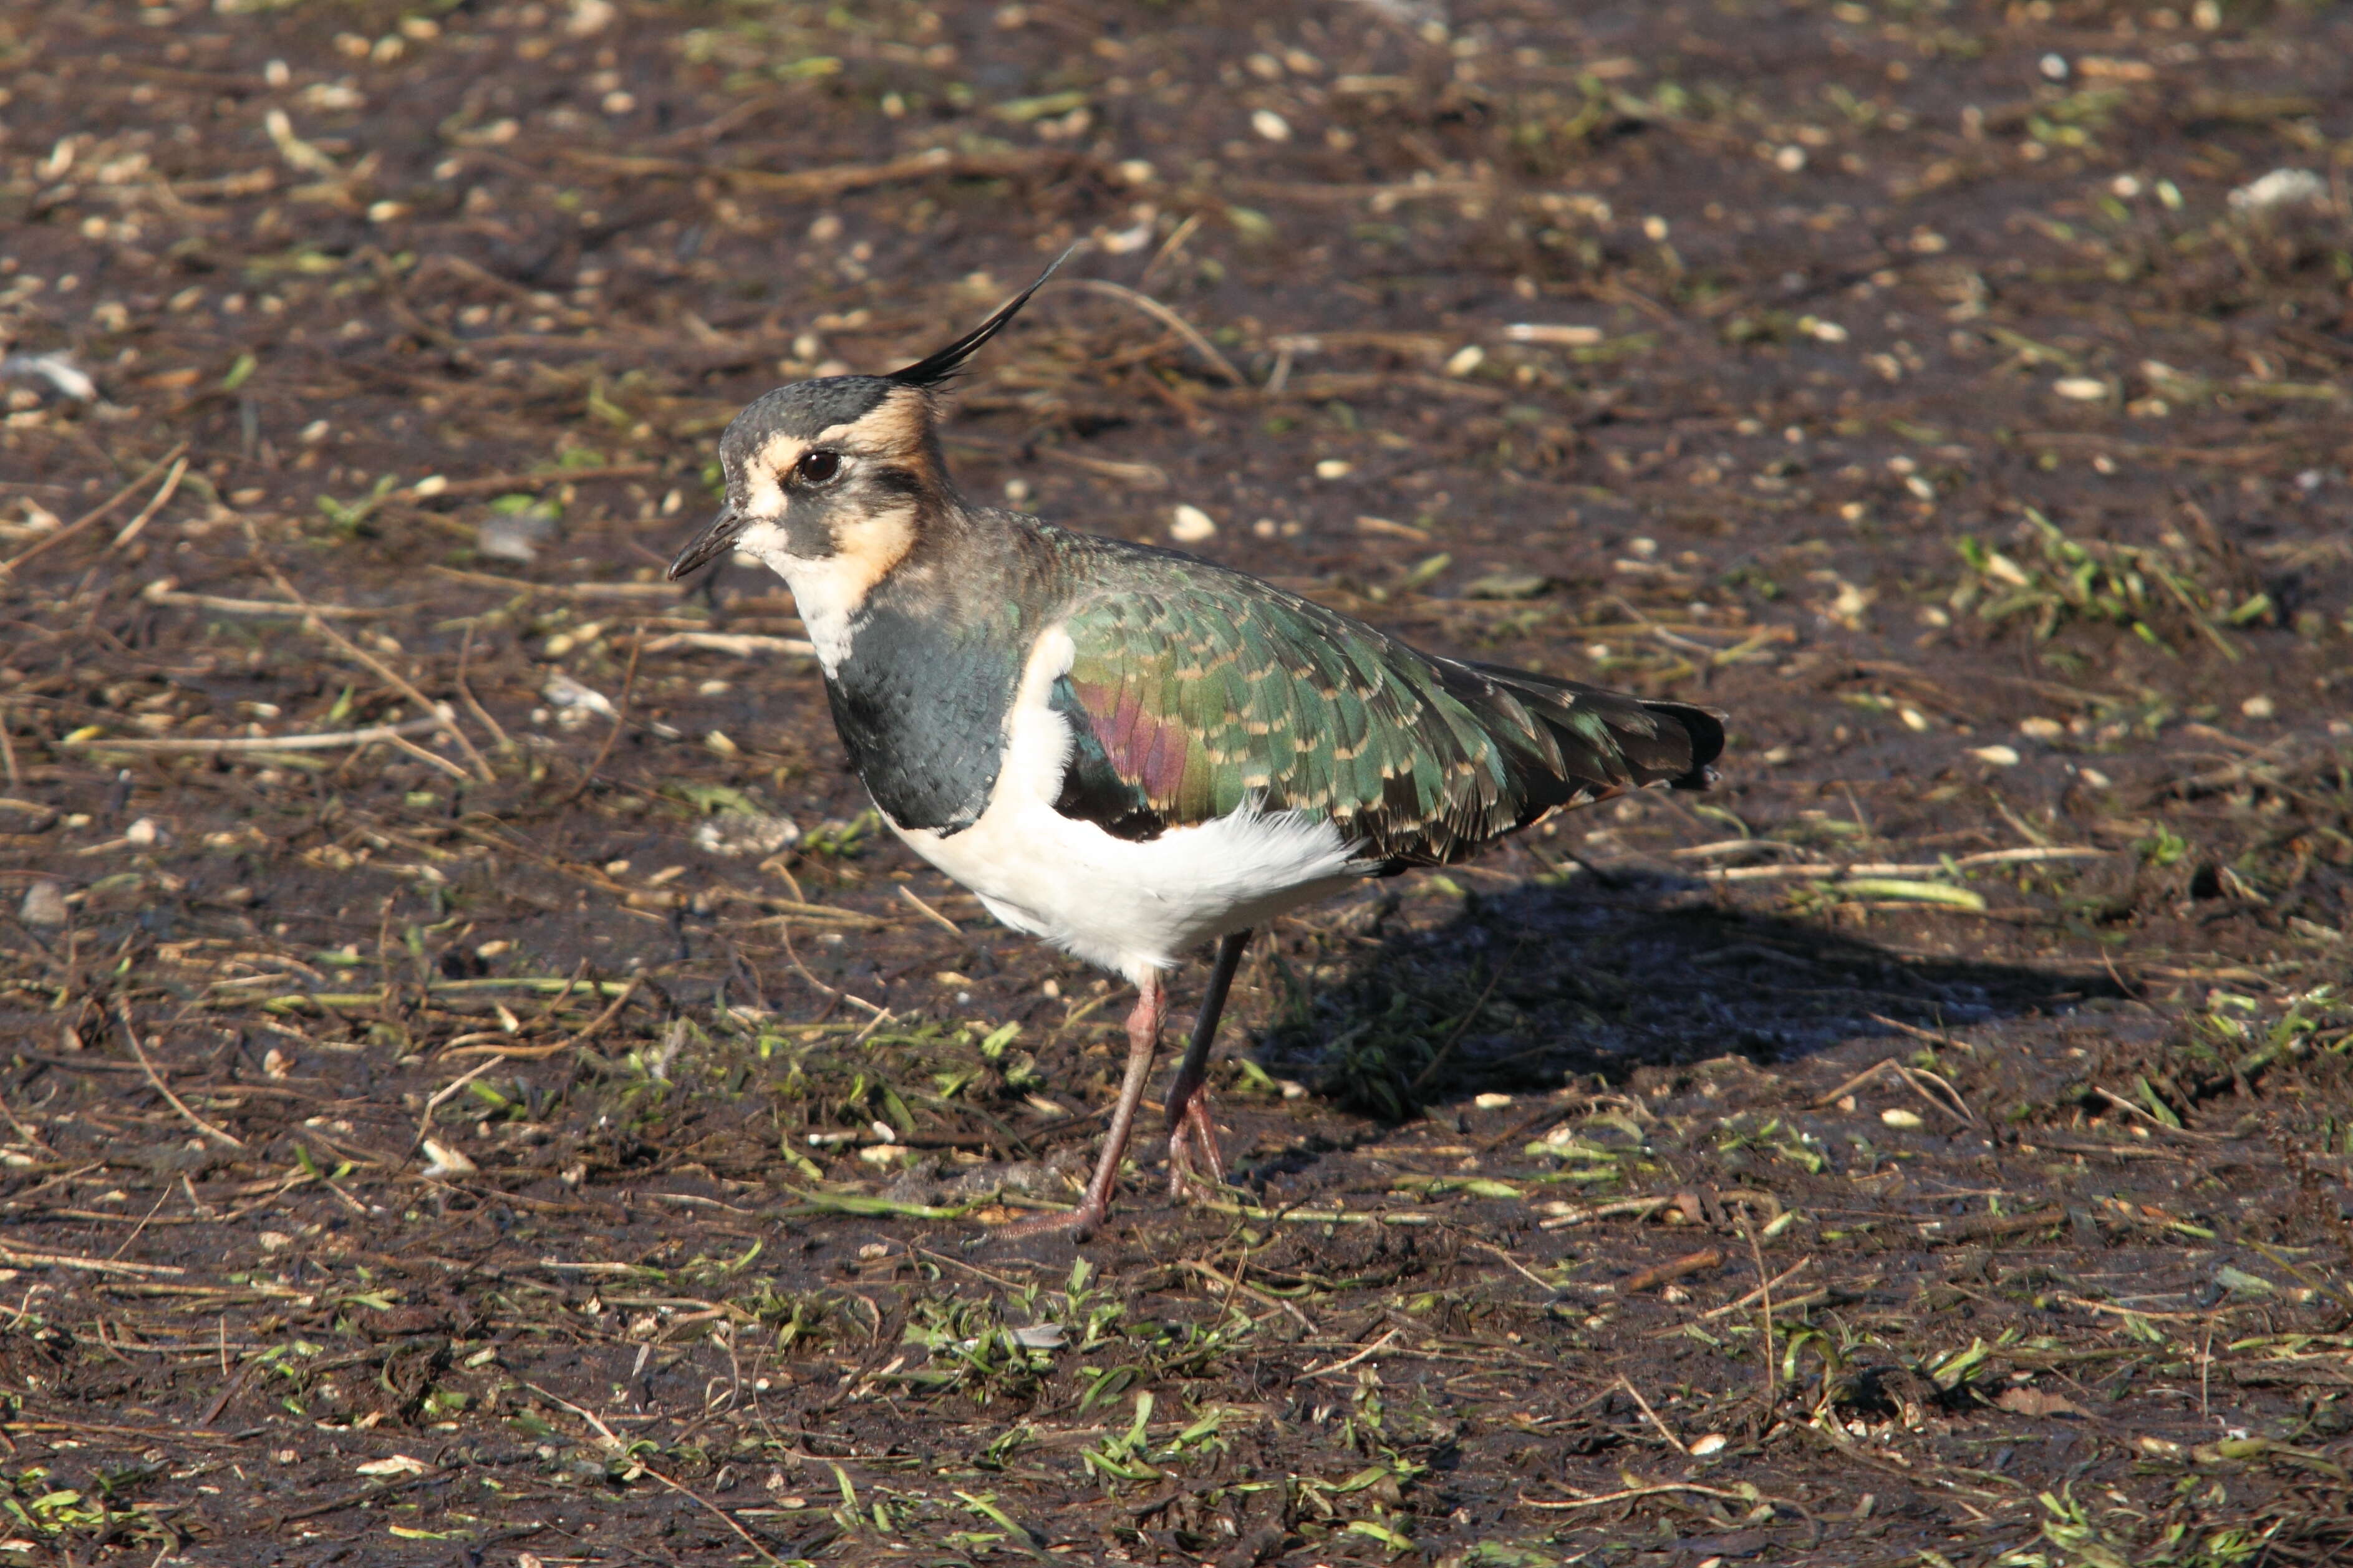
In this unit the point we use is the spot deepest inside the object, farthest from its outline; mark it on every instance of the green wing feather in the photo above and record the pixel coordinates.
(1194, 690)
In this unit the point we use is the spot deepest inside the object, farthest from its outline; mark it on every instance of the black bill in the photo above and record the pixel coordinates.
(709, 544)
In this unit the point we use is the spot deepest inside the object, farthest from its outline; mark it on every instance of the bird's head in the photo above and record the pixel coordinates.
(838, 470)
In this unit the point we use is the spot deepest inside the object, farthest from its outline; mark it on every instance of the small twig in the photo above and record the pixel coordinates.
(94, 514)
(141, 1226)
(1234, 1285)
(228, 1392)
(1665, 1430)
(442, 1096)
(1630, 1493)
(1167, 318)
(19, 1259)
(520, 1053)
(422, 755)
(1731, 1307)
(319, 740)
(131, 1033)
(617, 1445)
(1370, 1350)
(2164, 1128)
(784, 931)
(540, 1053)
(1168, 249)
(1765, 1289)
(465, 651)
(1915, 1076)
(25, 1130)
(621, 719)
(351, 649)
(1525, 1272)
(1439, 1058)
(908, 893)
(155, 503)
(1639, 1208)
(1661, 1273)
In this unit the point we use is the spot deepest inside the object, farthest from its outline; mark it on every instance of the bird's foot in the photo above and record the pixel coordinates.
(1191, 1131)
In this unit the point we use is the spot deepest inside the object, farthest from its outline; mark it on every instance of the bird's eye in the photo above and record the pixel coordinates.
(817, 468)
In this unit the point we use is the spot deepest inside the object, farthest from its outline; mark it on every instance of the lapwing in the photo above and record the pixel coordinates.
(1128, 750)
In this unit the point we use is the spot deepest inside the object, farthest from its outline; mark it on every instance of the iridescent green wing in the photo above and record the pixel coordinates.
(1200, 691)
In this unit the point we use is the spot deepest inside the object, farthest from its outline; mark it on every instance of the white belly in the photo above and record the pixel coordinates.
(1127, 905)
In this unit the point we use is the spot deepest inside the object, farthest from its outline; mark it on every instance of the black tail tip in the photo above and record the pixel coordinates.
(1705, 727)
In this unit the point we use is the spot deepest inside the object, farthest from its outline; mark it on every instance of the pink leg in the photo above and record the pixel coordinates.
(1142, 1043)
(1189, 1092)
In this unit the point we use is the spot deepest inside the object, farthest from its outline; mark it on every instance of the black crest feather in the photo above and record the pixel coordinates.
(943, 365)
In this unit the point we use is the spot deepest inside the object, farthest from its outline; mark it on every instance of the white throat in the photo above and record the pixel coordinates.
(827, 592)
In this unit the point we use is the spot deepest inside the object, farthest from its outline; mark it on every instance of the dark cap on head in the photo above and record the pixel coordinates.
(806, 409)
(801, 411)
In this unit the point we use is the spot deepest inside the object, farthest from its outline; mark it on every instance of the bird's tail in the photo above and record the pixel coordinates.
(1611, 742)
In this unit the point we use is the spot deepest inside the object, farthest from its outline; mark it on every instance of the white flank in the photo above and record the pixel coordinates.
(1129, 906)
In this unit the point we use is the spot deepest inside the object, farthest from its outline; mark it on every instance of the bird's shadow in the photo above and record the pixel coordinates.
(1524, 986)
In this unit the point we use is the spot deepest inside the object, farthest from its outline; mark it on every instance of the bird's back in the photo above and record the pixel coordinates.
(1194, 688)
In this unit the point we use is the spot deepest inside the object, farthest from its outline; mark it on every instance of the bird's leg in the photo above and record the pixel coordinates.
(1189, 1092)
(1142, 1043)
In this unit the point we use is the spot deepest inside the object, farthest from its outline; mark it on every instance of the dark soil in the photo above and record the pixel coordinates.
(497, 1144)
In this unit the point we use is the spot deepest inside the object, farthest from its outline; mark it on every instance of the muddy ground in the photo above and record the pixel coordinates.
(575, 1135)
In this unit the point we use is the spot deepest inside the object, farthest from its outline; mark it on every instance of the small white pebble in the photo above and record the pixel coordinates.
(1271, 125)
(1789, 160)
(2280, 188)
(1191, 525)
(2257, 707)
(442, 1161)
(1895, 1115)
(44, 905)
(143, 834)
